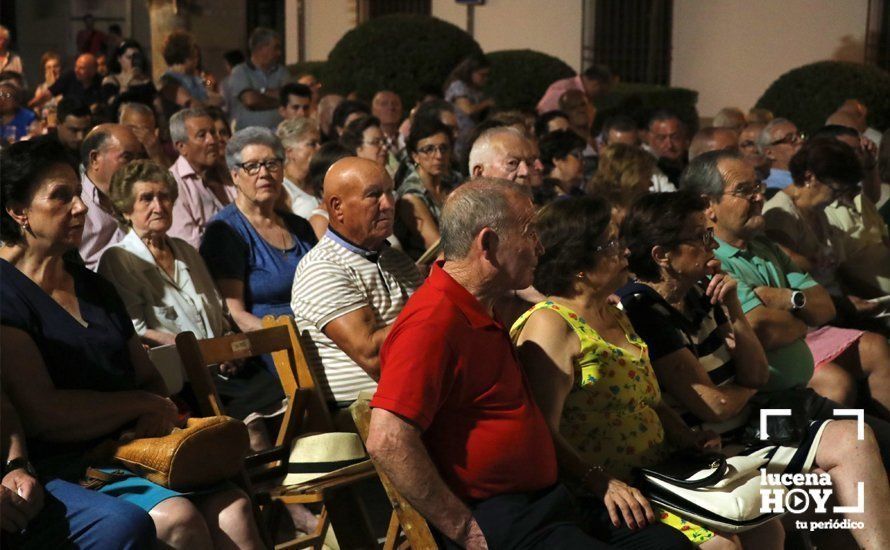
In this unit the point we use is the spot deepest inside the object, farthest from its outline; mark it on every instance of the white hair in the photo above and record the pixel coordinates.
(482, 152)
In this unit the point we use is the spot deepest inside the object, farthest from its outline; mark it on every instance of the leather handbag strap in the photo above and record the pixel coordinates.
(94, 478)
(718, 464)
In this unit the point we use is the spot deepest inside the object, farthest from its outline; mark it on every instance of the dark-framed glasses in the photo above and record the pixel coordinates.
(748, 191)
(791, 138)
(612, 247)
(253, 167)
(443, 149)
(706, 238)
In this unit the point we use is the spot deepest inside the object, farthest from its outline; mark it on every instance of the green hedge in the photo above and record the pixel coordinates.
(397, 52)
(641, 100)
(520, 77)
(808, 94)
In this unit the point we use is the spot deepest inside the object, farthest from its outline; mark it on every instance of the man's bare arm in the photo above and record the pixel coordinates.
(355, 335)
(396, 447)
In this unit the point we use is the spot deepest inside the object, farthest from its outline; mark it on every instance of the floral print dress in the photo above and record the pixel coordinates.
(609, 415)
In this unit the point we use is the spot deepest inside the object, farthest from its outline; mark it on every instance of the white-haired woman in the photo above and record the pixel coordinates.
(251, 247)
(300, 139)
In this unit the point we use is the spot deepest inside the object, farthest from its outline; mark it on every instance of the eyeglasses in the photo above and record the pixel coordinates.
(253, 168)
(706, 238)
(612, 247)
(748, 192)
(792, 138)
(376, 142)
(430, 149)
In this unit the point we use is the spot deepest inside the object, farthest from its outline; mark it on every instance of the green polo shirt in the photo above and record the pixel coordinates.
(763, 263)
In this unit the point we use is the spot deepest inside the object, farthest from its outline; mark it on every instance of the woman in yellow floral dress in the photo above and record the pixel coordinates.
(590, 372)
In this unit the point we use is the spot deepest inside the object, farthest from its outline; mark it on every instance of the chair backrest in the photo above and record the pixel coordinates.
(198, 355)
(298, 380)
(413, 525)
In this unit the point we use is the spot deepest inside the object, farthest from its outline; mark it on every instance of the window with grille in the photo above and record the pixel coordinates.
(633, 38)
(369, 9)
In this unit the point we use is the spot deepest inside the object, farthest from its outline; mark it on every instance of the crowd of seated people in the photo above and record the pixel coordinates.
(540, 303)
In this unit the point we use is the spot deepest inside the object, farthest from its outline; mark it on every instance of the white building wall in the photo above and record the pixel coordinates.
(732, 50)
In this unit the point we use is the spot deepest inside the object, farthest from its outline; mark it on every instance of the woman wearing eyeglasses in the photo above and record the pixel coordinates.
(709, 361)
(590, 372)
(422, 193)
(825, 170)
(365, 139)
(252, 249)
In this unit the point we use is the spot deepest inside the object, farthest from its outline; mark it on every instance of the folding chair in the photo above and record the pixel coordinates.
(406, 524)
(333, 494)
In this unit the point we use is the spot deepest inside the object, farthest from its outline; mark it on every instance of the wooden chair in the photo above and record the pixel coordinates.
(333, 494)
(406, 524)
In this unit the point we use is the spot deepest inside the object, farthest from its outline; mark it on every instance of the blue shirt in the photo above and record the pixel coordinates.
(76, 357)
(21, 121)
(778, 178)
(233, 249)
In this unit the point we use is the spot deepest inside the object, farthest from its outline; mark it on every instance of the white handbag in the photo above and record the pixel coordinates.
(725, 493)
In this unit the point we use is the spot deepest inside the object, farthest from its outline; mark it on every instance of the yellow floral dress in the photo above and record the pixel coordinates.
(609, 415)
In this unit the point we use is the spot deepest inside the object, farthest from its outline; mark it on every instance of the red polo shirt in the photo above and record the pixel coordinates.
(450, 368)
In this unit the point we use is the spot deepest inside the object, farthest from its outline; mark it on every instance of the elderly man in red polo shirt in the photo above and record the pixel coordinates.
(454, 425)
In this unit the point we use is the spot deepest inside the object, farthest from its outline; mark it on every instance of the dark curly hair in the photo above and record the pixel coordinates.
(424, 128)
(558, 145)
(353, 135)
(570, 230)
(23, 164)
(829, 160)
(654, 220)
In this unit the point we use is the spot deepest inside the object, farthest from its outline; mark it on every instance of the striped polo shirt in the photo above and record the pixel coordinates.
(337, 277)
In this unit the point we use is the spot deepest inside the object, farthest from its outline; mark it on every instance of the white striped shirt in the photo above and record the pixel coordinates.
(336, 278)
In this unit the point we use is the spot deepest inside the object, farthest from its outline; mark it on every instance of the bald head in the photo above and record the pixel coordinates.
(105, 149)
(713, 139)
(85, 68)
(358, 194)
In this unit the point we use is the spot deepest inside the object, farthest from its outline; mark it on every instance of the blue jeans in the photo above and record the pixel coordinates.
(74, 517)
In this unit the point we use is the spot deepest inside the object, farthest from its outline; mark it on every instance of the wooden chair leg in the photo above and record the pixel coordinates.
(349, 520)
(392, 533)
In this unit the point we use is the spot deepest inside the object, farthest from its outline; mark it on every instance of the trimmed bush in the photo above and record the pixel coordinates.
(808, 94)
(520, 77)
(401, 53)
(639, 101)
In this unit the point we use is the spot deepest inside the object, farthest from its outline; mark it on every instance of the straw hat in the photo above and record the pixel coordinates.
(322, 455)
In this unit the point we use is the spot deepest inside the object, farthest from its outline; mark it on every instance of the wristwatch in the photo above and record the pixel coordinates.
(20, 462)
(798, 300)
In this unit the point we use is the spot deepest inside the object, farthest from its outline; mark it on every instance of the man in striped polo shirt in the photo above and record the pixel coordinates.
(351, 286)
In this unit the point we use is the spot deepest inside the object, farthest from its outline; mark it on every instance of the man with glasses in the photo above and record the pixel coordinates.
(781, 301)
(202, 190)
(106, 148)
(778, 142)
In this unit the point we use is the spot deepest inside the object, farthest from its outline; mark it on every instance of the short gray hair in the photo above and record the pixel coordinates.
(260, 37)
(477, 204)
(291, 131)
(703, 173)
(765, 138)
(136, 107)
(481, 151)
(252, 135)
(177, 122)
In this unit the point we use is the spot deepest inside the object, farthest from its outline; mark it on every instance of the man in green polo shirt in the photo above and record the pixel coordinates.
(779, 299)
